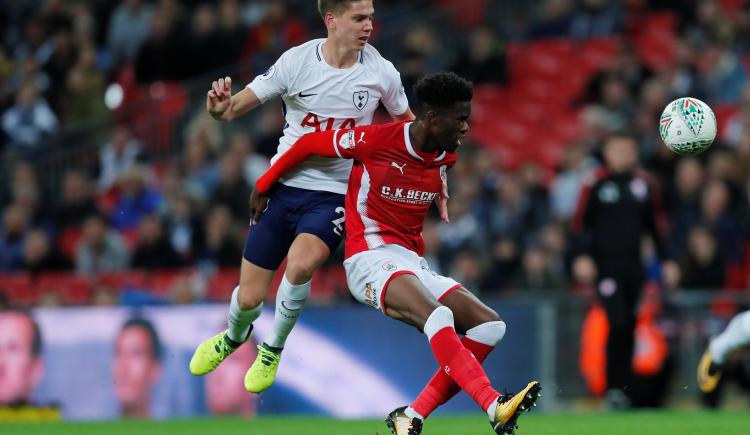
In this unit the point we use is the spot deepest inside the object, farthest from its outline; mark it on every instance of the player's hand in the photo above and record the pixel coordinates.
(442, 200)
(258, 204)
(219, 97)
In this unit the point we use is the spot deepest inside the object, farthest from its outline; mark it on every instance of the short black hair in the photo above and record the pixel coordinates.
(148, 327)
(442, 90)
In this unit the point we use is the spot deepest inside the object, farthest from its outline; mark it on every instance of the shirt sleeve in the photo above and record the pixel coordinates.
(274, 81)
(355, 143)
(394, 96)
(311, 144)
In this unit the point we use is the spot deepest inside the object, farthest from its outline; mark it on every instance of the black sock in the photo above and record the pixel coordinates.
(275, 350)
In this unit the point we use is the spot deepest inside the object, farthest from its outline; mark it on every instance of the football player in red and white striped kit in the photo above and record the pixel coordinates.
(397, 173)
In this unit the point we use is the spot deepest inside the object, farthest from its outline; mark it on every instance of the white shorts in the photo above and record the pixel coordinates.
(369, 273)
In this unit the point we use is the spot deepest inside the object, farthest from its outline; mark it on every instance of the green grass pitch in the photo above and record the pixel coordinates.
(638, 423)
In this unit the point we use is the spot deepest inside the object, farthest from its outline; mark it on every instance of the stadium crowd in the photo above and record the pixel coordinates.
(132, 202)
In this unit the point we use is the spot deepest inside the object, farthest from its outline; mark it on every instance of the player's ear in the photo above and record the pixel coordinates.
(330, 20)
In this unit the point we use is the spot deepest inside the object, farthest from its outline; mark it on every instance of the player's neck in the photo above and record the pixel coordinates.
(418, 138)
(337, 55)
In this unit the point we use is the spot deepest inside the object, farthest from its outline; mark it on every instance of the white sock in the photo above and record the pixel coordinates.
(240, 321)
(491, 410)
(411, 413)
(736, 335)
(290, 300)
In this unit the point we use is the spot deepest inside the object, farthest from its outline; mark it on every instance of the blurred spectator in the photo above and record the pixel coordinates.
(468, 269)
(511, 215)
(483, 59)
(136, 199)
(30, 123)
(39, 256)
(26, 191)
(505, 258)
(219, 248)
(117, 156)
(431, 237)
(184, 229)
(187, 289)
(738, 124)
(76, 201)
(683, 201)
(596, 19)
(36, 44)
(277, 31)
(15, 221)
(253, 164)
(103, 296)
(60, 62)
(421, 54)
(722, 73)
(161, 56)
(100, 249)
(536, 272)
(136, 367)
(555, 20)
(702, 264)
(201, 174)
(232, 33)
(129, 27)
(232, 190)
(531, 178)
(203, 42)
(717, 217)
(153, 250)
(554, 243)
(577, 167)
(84, 89)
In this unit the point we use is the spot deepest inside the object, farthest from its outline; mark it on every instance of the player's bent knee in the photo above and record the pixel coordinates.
(489, 333)
(440, 318)
(300, 272)
(248, 299)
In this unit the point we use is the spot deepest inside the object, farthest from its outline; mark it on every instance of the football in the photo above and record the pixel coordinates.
(687, 126)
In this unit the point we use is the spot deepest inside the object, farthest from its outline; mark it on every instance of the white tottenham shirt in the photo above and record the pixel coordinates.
(319, 97)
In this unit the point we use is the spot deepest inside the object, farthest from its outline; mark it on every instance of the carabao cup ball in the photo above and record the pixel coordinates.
(687, 126)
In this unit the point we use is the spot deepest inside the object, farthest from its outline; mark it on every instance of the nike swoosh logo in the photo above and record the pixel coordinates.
(301, 95)
(291, 309)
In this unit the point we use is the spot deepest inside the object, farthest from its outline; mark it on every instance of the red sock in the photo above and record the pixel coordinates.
(459, 363)
(441, 387)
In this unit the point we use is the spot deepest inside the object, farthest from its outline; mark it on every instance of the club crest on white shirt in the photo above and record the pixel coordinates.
(360, 99)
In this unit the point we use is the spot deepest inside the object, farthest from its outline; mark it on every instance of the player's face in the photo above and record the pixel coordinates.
(20, 370)
(449, 126)
(135, 368)
(354, 27)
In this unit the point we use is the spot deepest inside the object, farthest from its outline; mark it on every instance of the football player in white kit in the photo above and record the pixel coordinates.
(324, 84)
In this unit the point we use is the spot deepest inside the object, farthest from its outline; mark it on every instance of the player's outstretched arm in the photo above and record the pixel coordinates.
(223, 106)
(312, 144)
